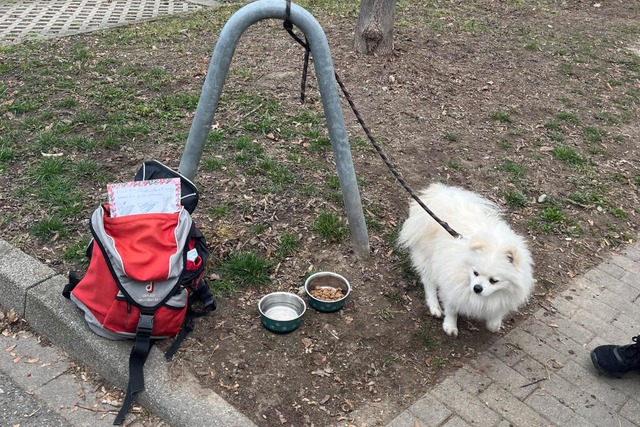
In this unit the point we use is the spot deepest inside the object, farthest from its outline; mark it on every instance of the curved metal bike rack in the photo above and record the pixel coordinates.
(214, 81)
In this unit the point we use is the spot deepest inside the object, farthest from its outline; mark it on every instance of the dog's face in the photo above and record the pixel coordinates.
(484, 283)
(493, 268)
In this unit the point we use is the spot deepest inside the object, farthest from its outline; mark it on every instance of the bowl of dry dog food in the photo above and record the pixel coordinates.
(327, 291)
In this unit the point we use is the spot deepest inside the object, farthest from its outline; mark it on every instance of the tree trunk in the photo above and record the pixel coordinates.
(374, 33)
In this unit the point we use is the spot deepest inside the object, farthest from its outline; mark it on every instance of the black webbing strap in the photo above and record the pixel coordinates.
(137, 359)
(203, 294)
(73, 281)
(182, 335)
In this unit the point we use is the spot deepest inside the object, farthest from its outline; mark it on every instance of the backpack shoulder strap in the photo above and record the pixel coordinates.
(137, 359)
(203, 294)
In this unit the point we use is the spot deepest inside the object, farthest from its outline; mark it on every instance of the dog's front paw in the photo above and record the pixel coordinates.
(450, 327)
(435, 310)
(494, 325)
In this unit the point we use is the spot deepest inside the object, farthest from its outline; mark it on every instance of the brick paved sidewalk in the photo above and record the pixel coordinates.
(540, 373)
(44, 19)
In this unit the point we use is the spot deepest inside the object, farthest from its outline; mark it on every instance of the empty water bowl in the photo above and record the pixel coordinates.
(281, 311)
(327, 291)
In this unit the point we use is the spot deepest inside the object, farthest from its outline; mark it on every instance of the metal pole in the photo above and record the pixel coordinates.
(214, 81)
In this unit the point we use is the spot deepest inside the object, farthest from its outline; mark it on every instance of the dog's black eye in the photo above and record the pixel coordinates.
(493, 281)
(475, 273)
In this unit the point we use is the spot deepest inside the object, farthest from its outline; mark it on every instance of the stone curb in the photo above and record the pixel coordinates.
(34, 292)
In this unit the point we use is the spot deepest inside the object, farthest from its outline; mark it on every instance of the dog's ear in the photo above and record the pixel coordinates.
(512, 256)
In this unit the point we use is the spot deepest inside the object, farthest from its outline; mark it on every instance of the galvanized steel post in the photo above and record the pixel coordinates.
(214, 81)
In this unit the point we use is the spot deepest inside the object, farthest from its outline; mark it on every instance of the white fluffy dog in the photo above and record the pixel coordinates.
(484, 275)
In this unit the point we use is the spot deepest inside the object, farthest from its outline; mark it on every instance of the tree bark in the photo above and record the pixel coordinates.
(374, 32)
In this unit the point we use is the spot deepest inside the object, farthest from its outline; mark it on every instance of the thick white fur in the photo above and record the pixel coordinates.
(450, 268)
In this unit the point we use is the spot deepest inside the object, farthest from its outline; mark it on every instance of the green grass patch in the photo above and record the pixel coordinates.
(568, 155)
(66, 103)
(453, 165)
(46, 140)
(425, 337)
(86, 116)
(219, 211)
(77, 251)
(62, 195)
(279, 175)
(246, 269)
(88, 169)
(505, 145)
(608, 118)
(552, 219)
(619, 213)
(501, 116)
(552, 126)
(333, 182)
(566, 68)
(287, 245)
(7, 152)
(130, 130)
(329, 226)
(552, 214)
(450, 136)
(23, 106)
(247, 150)
(593, 134)
(587, 197)
(212, 164)
(48, 227)
(360, 143)
(567, 117)
(215, 137)
(47, 169)
(180, 102)
(515, 170)
(80, 52)
(111, 142)
(515, 199)
(82, 143)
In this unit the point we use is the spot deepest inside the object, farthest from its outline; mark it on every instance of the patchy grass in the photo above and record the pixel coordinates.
(329, 226)
(78, 112)
(569, 156)
(515, 199)
(49, 227)
(246, 269)
(288, 245)
(516, 171)
(501, 116)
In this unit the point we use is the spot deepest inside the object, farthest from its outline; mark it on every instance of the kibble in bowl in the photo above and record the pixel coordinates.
(327, 291)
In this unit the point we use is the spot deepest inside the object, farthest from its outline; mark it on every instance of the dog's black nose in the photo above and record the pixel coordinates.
(477, 289)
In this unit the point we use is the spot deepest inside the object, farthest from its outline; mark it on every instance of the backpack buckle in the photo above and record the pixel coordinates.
(145, 324)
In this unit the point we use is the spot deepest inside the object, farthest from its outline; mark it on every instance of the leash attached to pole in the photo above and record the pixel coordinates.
(289, 27)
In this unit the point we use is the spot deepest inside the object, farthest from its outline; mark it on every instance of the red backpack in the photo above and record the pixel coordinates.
(145, 273)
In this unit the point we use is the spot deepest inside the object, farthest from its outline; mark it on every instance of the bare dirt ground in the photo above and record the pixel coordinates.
(531, 104)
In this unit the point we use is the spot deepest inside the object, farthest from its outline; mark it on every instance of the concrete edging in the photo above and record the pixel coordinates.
(34, 291)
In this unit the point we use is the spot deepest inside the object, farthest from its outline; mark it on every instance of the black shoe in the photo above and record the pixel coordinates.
(615, 360)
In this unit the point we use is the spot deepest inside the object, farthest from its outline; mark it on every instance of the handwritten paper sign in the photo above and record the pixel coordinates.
(144, 197)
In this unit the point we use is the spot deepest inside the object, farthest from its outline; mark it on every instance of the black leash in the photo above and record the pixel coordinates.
(288, 25)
